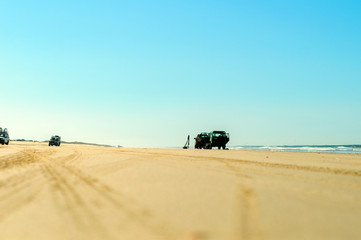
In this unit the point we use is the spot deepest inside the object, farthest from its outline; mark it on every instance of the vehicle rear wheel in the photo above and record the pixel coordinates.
(219, 147)
(223, 146)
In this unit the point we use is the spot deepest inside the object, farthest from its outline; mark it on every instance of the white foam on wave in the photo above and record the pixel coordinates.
(305, 148)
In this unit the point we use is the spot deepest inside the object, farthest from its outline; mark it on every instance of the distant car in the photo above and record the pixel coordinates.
(55, 141)
(4, 138)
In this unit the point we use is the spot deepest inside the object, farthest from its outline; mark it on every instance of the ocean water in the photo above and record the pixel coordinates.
(356, 149)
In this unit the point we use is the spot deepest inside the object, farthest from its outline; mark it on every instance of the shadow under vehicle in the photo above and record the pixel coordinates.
(202, 141)
(54, 141)
(218, 139)
(4, 136)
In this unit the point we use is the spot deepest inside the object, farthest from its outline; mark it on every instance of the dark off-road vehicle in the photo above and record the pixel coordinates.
(202, 141)
(4, 136)
(55, 140)
(218, 139)
(213, 139)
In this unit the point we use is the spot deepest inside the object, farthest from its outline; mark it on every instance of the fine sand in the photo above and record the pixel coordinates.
(88, 192)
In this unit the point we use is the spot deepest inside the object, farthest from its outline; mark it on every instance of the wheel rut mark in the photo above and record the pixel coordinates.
(21, 189)
(84, 198)
(115, 166)
(70, 200)
(23, 158)
(247, 215)
(250, 225)
(250, 221)
(19, 195)
(329, 170)
(17, 160)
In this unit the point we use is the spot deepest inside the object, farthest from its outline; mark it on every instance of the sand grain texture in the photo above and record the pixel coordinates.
(88, 192)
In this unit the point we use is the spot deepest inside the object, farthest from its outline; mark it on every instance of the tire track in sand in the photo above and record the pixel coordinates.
(250, 224)
(245, 202)
(86, 199)
(23, 187)
(319, 169)
(18, 192)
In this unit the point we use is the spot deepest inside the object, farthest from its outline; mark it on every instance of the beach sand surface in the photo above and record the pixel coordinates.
(88, 192)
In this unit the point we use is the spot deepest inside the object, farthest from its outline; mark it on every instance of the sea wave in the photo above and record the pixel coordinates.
(305, 148)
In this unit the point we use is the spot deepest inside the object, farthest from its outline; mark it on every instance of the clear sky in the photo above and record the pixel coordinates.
(148, 73)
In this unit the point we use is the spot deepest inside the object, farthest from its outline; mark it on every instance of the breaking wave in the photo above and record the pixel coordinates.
(305, 148)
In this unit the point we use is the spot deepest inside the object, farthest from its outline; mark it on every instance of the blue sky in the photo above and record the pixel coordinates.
(148, 73)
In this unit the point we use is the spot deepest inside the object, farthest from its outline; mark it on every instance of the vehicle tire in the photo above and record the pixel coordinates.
(219, 147)
(224, 146)
(7, 143)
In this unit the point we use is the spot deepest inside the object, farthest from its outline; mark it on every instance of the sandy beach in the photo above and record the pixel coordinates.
(90, 192)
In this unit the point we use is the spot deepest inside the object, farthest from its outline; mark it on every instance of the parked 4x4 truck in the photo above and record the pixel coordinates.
(4, 136)
(213, 139)
(219, 139)
(54, 140)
